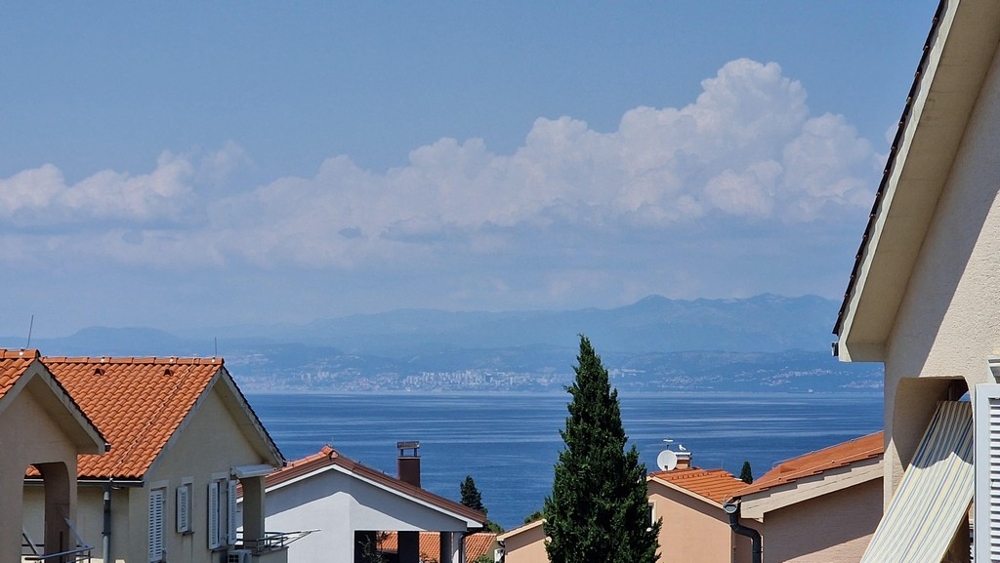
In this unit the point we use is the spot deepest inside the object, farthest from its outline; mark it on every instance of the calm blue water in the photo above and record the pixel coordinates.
(509, 442)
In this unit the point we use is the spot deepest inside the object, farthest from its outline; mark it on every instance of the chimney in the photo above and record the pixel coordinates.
(683, 459)
(408, 462)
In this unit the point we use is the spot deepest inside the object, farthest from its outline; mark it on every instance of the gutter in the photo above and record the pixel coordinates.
(733, 510)
(106, 532)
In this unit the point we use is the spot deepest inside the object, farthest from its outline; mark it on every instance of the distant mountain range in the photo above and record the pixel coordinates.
(760, 343)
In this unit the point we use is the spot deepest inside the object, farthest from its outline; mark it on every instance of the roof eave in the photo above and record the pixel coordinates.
(781, 495)
(942, 97)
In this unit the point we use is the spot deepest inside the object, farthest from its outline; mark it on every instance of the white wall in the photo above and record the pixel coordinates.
(337, 505)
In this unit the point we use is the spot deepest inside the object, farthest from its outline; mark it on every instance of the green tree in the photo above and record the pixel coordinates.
(536, 515)
(746, 474)
(470, 495)
(598, 509)
(474, 500)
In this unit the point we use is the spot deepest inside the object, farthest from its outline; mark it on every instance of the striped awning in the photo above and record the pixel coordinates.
(934, 496)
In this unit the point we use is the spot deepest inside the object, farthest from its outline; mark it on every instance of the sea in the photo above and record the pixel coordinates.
(509, 442)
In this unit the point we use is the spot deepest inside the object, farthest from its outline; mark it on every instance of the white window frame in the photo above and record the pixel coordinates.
(231, 512)
(221, 511)
(184, 506)
(987, 496)
(157, 515)
(214, 515)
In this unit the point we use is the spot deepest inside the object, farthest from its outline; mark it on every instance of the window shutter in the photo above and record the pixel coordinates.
(231, 512)
(986, 543)
(183, 509)
(213, 515)
(156, 505)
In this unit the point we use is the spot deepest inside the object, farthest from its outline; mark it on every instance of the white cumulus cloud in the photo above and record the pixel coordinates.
(746, 158)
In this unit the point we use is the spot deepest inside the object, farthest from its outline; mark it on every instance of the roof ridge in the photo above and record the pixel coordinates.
(19, 354)
(141, 360)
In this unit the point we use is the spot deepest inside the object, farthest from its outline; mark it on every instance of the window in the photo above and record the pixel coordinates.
(184, 508)
(214, 517)
(221, 513)
(157, 506)
(231, 511)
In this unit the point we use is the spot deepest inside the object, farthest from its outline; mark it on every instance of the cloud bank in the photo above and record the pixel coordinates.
(744, 170)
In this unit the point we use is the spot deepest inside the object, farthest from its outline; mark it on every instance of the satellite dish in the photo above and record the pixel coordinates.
(666, 461)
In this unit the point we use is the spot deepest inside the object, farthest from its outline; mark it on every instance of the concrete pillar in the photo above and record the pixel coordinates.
(409, 547)
(446, 550)
(253, 509)
(57, 506)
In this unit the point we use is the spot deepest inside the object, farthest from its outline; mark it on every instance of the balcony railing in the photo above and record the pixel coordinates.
(31, 551)
(78, 555)
(271, 541)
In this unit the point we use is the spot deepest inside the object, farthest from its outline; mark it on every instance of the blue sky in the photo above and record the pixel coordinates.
(185, 165)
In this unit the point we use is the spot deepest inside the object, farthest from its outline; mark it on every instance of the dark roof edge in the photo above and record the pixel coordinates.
(890, 163)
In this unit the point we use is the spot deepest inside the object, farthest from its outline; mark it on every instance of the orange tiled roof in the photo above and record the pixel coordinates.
(814, 463)
(476, 545)
(717, 485)
(328, 456)
(12, 366)
(136, 403)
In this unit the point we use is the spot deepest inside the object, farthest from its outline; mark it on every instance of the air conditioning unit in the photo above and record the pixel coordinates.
(239, 556)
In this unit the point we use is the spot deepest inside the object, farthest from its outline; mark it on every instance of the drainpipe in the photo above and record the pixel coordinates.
(733, 510)
(106, 534)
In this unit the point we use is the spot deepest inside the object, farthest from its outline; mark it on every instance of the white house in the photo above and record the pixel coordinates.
(347, 505)
(923, 297)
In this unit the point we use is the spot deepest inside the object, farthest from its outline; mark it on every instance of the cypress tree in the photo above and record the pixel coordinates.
(598, 510)
(746, 474)
(474, 500)
(470, 495)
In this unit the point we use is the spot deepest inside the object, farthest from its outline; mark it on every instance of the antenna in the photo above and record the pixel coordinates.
(31, 325)
(216, 339)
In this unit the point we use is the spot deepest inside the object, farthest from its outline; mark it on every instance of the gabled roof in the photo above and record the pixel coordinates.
(956, 57)
(21, 369)
(476, 545)
(713, 485)
(328, 458)
(139, 404)
(818, 462)
(12, 365)
(521, 529)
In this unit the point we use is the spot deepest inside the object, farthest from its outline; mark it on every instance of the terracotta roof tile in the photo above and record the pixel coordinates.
(136, 403)
(717, 485)
(12, 366)
(328, 456)
(476, 545)
(814, 463)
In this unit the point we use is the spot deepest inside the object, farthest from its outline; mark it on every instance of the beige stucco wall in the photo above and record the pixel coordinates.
(209, 445)
(694, 531)
(948, 323)
(527, 547)
(833, 528)
(27, 435)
